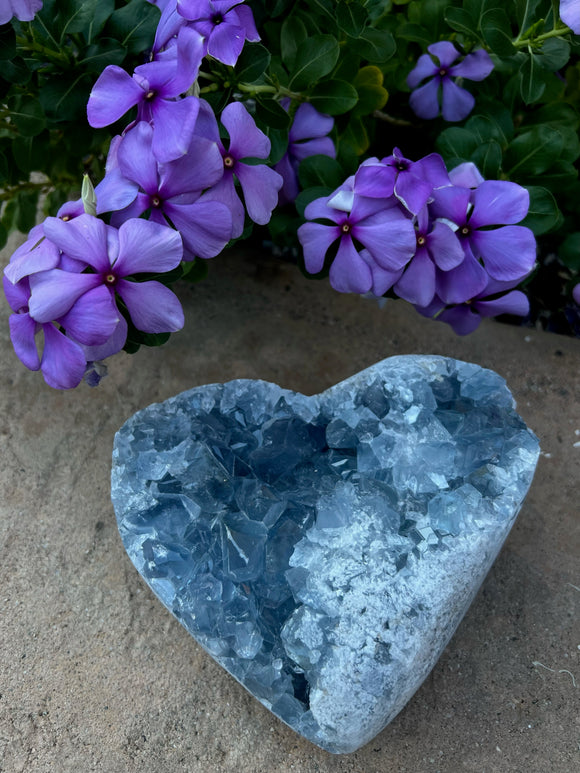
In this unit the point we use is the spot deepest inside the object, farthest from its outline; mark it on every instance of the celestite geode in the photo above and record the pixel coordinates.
(324, 549)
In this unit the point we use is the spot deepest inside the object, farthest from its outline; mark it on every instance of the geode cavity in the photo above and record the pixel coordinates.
(324, 549)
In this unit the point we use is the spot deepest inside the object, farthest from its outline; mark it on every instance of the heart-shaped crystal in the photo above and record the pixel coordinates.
(324, 549)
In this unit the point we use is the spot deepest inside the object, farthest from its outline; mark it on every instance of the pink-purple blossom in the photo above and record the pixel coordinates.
(570, 14)
(23, 10)
(224, 24)
(441, 94)
(259, 183)
(308, 136)
(172, 193)
(155, 89)
(386, 233)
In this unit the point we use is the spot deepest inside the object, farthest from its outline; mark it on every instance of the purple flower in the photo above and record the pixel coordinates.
(225, 25)
(437, 248)
(570, 14)
(457, 103)
(172, 192)
(154, 88)
(412, 182)
(576, 294)
(386, 233)
(24, 10)
(259, 183)
(508, 252)
(307, 137)
(494, 299)
(84, 303)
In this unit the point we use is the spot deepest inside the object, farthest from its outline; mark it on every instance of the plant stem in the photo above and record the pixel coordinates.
(555, 33)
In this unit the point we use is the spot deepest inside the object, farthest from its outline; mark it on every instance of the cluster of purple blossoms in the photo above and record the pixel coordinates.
(66, 283)
(24, 10)
(447, 243)
(441, 94)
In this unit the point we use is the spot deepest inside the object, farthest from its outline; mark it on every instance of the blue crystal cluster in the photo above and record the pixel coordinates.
(323, 549)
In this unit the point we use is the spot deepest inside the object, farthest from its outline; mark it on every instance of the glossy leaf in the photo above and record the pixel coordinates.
(315, 58)
(333, 97)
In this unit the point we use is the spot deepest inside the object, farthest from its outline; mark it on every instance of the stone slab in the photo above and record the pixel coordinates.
(92, 667)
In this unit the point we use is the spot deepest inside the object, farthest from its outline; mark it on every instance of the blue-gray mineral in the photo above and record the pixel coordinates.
(323, 549)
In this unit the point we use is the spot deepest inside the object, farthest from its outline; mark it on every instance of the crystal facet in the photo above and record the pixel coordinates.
(324, 549)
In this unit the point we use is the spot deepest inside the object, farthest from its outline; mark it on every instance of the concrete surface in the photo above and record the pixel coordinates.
(97, 676)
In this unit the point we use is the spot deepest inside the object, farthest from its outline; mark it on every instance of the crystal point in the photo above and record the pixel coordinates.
(324, 549)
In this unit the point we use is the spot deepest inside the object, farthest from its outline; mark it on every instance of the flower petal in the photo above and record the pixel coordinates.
(412, 191)
(390, 240)
(246, 140)
(246, 17)
(260, 185)
(316, 239)
(17, 295)
(417, 285)
(54, 292)
(376, 181)
(461, 318)
(309, 123)
(457, 102)
(475, 66)
(63, 362)
(349, 273)
(225, 191)
(466, 175)
(320, 146)
(136, 160)
(424, 101)
(174, 123)
(31, 257)
(444, 247)
(145, 246)
(226, 42)
(22, 334)
(113, 94)
(115, 192)
(113, 345)
(84, 238)
(383, 280)
(451, 203)
(205, 226)
(508, 252)
(498, 202)
(514, 302)
(445, 52)
(201, 168)
(93, 318)
(153, 307)
(425, 68)
(462, 283)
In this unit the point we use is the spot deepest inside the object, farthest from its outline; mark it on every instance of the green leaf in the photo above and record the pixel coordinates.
(27, 115)
(532, 83)
(333, 97)
(98, 55)
(320, 171)
(76, 16)
(134, 25)
(533, 151)
(102, 12)
(488, 157)
(64, 99)
(543, 214)
(315, 58)
(195, 270)
(7, 42)
(252, 63)
(30, 153)
(569, 252)
(16, 71)
(560, 177)
(526, 12)
(497, 32)
(271, 113)
(415, 33)
(351, 18)
(3, 236)
(456, 143)
(292, 34)
(460, 21)
(371, 94)
(376, 46)
(26, 206)
(485, 128)
(279, 143)
(356, 136)
(554, 54)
